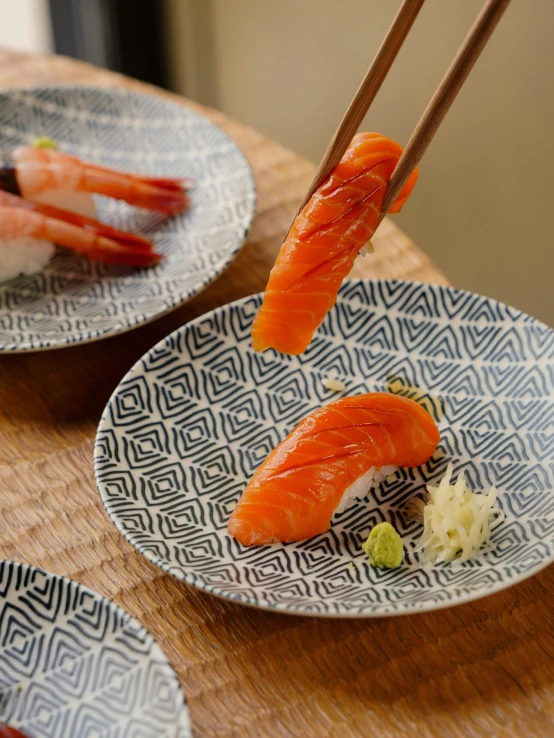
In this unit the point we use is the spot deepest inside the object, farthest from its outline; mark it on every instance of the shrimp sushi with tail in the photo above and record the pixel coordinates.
(325, 238)
(46, 175)
(29, 230)
(333, 456)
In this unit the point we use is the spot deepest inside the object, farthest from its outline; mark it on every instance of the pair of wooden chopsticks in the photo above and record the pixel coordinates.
(436, 109)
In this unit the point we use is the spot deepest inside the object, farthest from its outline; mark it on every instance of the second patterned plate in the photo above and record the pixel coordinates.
(75, 300)
(193, 419)
(73, 665)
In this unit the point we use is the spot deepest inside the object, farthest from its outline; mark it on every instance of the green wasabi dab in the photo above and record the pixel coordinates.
(384, 547)
(43, 142)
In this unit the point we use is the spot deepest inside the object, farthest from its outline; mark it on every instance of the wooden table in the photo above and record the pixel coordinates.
(482, 669)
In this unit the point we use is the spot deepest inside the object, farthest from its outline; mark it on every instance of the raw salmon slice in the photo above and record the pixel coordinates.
(295, 492)
(325, 238)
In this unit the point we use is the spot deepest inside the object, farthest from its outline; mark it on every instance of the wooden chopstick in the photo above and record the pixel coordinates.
(366, 93)
(444, 97)
(435, 112)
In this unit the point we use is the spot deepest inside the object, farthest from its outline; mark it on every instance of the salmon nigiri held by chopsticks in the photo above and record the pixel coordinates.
(325, 238)
(334, 455)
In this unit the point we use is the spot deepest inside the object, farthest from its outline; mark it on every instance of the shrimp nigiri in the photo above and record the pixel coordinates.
(333, 454)
(39, 173)
(27, 231)
(325, 238)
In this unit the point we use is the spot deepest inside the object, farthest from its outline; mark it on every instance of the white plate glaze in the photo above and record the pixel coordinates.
(192, 420)
(72, 664)
(75, 300)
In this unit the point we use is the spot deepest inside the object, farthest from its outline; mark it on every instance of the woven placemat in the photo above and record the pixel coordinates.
(483, 669)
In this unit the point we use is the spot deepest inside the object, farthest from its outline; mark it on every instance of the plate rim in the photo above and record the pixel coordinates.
(214, 272)
(298, 610)
(113, 607)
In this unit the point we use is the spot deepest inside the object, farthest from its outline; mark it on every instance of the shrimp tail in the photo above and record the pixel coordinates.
(95, 240)
(125, 257)
(39, 169)
(165, 199)
(125, 239)
(163, 194)
(169, 182)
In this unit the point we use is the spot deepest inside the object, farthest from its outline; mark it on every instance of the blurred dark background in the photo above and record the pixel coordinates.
(124, 35)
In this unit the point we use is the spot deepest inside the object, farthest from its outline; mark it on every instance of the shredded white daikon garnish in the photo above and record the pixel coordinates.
(457, 523)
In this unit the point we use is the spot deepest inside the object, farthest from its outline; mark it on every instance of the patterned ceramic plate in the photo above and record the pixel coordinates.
(72, 664)
(193, 419)
(75, 300)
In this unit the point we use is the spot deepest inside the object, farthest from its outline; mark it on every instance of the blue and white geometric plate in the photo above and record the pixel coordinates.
(193, 419)
(72, 664)
(75, 300)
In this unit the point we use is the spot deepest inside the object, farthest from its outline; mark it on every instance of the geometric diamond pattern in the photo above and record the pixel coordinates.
(485, 370)
(73, 664)
(75, 300)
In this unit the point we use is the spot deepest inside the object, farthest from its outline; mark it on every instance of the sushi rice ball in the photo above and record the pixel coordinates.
(23, 256)
(27, 255)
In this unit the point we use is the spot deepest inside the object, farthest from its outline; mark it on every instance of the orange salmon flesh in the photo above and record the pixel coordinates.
(294, 493)
(325, 238)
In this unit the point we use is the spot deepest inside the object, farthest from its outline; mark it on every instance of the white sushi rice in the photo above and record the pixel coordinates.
(81, 203)
(373, 477)
(30, 255)
(367, 249)
(24, 256)
(333, 384)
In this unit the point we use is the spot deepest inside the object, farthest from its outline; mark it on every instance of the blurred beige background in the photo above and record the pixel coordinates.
(482, 208)
(25, 25)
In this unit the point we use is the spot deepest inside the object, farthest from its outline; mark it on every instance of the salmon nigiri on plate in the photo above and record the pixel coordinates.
(258, 476)
(163, 199)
